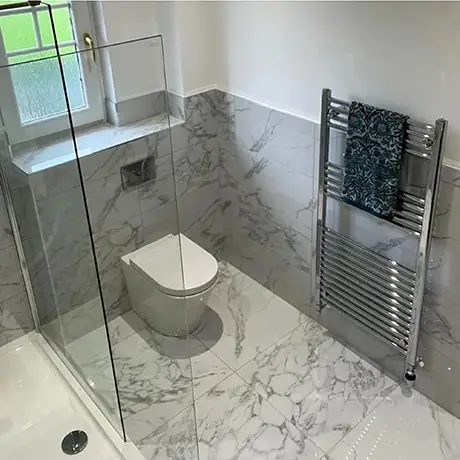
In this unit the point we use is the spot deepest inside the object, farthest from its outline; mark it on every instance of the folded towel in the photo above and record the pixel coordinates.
(373, 153)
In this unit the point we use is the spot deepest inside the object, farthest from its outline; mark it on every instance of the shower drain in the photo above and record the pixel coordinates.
(74, 442)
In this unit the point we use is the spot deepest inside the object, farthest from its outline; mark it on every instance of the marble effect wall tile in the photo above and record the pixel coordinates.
(159, 222)
(200, 118)
(53, 181)
(109, 203)
(6, 237)
(110, 246)
(11, 282)
(441, 324)
(438, 378)
(15, 318)
(200, 218)
(266, 160)
(197, 166)
(176, 106)
(69, 256)
(275, 136)
(160, 190)
(15, 314)
(228, 168)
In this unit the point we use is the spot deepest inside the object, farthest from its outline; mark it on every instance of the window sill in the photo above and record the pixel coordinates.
(92, 139)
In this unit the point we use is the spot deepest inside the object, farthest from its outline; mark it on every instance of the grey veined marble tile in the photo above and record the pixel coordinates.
(6, 237)
(403, 427)
(197, 166)
(155, 373)
(15, 318)
(201, 217)
(323, 388)
(160, 190)
(11, 282)
(109, 204)
(175, 440)
(244, 319)
(234, 422)
(275, 136)
(200, 119)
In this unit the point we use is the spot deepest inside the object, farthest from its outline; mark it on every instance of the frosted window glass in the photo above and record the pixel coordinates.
(38, 86)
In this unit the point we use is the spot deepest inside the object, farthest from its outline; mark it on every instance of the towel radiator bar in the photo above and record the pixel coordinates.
(381, 295)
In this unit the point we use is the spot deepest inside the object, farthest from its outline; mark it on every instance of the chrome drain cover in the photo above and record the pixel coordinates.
(74, 442)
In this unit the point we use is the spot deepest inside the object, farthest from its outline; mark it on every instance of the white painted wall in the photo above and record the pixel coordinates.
(131, 69)
(404, 56)
(169, 28)
(401, 55)
(199, 44)
(191, 42)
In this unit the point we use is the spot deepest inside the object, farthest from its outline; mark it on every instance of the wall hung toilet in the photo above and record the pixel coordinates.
(169, 302)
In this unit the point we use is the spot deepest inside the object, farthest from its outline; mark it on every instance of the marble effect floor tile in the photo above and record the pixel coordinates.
(317, 383)
(83, 322)
(243, 319)
(124, 326)
(296, 393)
(403, 428)
(175, 440)
(233, 422)
(155, 377)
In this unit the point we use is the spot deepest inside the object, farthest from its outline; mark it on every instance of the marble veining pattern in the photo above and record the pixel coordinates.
(236, 390)
(247, 193)
(233, 422)
(316, 383)
(15, 315)
(403, 427)
(90, 140)
(15, 318)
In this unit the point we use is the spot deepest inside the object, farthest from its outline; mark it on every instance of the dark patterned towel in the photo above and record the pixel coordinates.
(373, 154)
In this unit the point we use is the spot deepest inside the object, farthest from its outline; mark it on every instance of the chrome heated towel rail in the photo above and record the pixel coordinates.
(381, 295)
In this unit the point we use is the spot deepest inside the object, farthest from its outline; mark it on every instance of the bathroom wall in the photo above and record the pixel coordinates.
(246, 191)
(15, 316)
(53, 224)
(267, 169)
(283, 53)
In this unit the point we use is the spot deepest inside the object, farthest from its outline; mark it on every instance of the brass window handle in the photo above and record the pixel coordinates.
(89, 42)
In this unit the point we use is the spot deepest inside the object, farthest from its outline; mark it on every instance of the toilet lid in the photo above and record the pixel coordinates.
(161, 262)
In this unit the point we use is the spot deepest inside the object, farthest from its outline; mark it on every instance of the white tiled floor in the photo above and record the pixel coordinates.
(37, 409)
(260, 380)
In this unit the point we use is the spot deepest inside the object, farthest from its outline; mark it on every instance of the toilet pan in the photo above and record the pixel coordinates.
(169, 282)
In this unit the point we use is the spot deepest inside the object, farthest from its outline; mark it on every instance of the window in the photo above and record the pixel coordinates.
(31, 96)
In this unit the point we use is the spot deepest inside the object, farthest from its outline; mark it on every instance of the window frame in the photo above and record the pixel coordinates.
(18, 132)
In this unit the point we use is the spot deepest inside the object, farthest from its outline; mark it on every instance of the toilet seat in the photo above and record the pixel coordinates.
(161, 262)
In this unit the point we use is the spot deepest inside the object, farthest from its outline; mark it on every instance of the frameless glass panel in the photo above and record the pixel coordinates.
(128, 172)
(48, 198)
